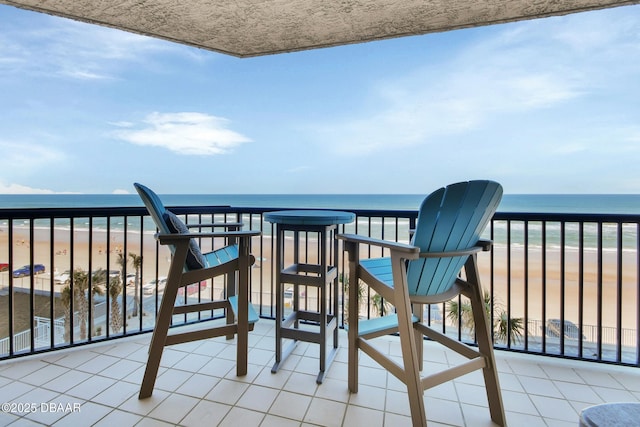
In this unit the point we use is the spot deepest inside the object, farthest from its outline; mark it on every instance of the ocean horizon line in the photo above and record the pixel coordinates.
(536, 203)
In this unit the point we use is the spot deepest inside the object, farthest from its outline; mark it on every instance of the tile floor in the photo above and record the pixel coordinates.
(98, 385)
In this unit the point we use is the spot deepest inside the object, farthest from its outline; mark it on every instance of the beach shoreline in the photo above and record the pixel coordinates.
(509, 282)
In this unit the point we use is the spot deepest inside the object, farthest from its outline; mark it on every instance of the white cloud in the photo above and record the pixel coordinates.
(22, 189)
(120, 191)
(85, 75)
(185, 133)
(453, 102)
(122, 124)
(13, 188)
(568, 149)
(517, 70)
(632, 135)
(71, 49)
(24, 158)
(25, 161)
(614, 31)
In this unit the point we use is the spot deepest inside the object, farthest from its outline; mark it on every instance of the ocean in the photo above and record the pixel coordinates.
(540, 203)
(514, 203)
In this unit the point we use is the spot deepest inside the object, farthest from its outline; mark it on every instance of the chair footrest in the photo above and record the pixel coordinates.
(379, 324)
(253, 315)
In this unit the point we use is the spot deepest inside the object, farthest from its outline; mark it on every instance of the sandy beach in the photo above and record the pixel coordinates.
(105, 254)
(560, 284)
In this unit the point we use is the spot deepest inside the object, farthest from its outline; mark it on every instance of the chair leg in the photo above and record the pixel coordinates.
(242, 317)
(485, 346)
(158, 341)
(231, 290)
(352, 337)
(418, 310)
(408, 345)
(353, 315)
(411, 366)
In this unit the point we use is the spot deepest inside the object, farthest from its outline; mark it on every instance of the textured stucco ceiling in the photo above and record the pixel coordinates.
(261, 27)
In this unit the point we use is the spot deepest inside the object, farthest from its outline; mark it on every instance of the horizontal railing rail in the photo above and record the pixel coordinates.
(565, 285)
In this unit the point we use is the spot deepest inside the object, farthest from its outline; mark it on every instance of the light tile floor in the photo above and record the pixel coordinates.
(98, 385)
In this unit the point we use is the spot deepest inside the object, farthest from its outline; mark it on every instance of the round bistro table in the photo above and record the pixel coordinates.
(321, 274)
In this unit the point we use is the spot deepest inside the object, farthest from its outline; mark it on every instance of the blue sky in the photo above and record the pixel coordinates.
(543, 106)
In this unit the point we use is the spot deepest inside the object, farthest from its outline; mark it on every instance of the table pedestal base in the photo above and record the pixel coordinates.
(289, 329)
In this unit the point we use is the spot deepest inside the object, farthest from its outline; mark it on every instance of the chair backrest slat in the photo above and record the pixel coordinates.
(451, 218)
(154, 206)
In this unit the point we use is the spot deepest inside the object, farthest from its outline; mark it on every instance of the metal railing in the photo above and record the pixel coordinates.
(565, 285)
(579, 274)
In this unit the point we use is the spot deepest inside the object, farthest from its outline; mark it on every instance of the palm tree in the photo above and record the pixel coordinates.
(81, 285)
(137, 264)
(122, 262)
(80, 282)
(503, 324)
(114, 288)
(344, 279)
(379, 304)
(115, 319)
(462, 314)
(65, 298)
(136, 260)
(99, 278)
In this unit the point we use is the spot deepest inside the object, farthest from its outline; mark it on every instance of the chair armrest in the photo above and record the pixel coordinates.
(482, 245)
(486, 244)
(394, 246)
(216, 225)
(174, 238)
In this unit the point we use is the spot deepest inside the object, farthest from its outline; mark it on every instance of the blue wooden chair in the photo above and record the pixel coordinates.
(427, 271)
(188, 266)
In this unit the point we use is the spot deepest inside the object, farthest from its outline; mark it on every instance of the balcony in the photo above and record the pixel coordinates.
(98, 385)
(569, 281)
